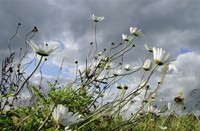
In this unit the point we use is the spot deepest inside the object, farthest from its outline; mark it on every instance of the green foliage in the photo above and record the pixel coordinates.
(85, 104)
(75, 100)
(6, 121)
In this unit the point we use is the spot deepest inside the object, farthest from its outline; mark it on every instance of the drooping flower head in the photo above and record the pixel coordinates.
(126, 37)
(109, 65)
(153, 110)
(65, 118)
(118, 72)
(136, 32)
(147, 65)
(150, 49)
(160, 56)
(128, 67)
(96, 18)
(44, 50)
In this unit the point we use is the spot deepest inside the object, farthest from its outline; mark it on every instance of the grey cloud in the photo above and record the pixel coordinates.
(169, 24)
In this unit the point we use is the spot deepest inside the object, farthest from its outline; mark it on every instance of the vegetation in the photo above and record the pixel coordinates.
(90, 101)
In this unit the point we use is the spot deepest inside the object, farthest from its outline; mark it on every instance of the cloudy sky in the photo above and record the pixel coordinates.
(173, 25)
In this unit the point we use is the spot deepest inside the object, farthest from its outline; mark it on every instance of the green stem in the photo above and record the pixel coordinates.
(29, 76)
(95, 39)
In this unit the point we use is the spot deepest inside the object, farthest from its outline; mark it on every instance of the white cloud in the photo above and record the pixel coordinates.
(184, 74)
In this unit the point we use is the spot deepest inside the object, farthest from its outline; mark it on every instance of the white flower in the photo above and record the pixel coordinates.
(119, 86)
(100, 54)
(150, 49)
(67, 128)
(118, 72)
(109, 65)
(153, 110)
(126, 37)
(147, 65)
(160, 56)
(42, 50)
(135, 31)
(169, 105)
(96, 18)
(128, 67)
(163, 128)
(65, 118)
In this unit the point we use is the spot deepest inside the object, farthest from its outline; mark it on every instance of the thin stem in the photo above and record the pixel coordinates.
(29, 76)
(95, 39)
(49, 117)
(13, 37)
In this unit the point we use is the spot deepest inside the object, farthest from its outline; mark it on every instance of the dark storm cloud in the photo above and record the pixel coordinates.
(156, 19)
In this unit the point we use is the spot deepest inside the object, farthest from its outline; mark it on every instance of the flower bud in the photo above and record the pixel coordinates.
(147, 65)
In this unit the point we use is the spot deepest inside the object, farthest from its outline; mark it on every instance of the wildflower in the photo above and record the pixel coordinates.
(67, 128)
(135, 31)
(100, 54)
(117, 72)
(109, 65)
(119, 86)
(160, 56)
(147, 65)
(169, 106)
(163, 128)
(150, 49)
(153, 110)
(42, 50)
(126, 37)
(65, 118)
(96, 18)
(128, 67)
(105, 59)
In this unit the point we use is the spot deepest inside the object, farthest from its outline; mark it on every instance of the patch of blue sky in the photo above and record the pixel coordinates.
(61, 46)
(46, 69)
(184, 50)
(50, 70)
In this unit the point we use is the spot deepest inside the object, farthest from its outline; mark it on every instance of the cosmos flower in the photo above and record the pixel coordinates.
(160, 56)
(96, 18)
(135, 31)
(44, 50)
(65, 118)
(147, 65)
(126, 37)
